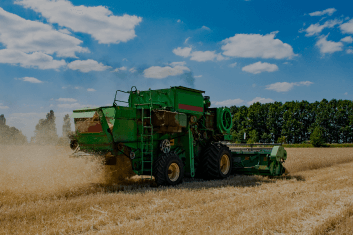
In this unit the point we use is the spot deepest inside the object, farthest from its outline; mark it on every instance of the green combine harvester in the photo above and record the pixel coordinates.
(170, 134)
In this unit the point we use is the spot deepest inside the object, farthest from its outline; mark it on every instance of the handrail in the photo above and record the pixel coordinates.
(128, 92)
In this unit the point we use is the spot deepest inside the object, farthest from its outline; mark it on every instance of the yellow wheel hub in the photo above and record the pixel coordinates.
(224, 164)
(173, 172)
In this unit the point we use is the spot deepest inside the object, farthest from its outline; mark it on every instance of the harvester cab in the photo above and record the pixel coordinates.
(167, 134)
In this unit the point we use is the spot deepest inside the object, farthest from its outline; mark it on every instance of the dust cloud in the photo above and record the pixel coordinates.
(38, 169)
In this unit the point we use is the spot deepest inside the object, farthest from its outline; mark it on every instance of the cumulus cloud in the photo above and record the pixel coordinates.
(28, 36)
(347, 27)
(286, 86)
(349, 51)
(200, 56)
(256, 45)
(229, 102)
(205, 28)
(91, 89)
(186, 40)
(233, 65)
(347, 39)
(97, 21)
(328, 11)
(132, 70)
(120, 69)
(29, 79)
(66, 100)
(87, 65)
(261, 100)
(3, 106)
(315, 29)
(157, 72)
(34, 60)
(260, 67)
(326, 46)
(184, 52)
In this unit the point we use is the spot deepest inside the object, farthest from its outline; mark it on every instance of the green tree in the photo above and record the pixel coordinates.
(317, 137)
(253, 137)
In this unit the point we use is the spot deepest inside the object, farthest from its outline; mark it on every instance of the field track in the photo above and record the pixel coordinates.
(44, 192)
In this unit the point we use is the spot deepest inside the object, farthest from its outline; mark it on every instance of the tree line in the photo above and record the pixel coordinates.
(45, 132)
(294, 121)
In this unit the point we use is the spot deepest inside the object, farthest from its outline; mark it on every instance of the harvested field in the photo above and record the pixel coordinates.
(42, 191)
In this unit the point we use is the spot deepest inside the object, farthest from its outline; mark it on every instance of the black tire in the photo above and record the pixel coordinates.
(168, 169)
(210, 162)
(73, 144)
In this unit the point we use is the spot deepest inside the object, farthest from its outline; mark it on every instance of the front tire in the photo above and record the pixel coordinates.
(216, 162)
(168, 169)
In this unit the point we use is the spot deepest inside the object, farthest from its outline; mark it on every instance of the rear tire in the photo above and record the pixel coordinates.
(216, 162)
(168, 169)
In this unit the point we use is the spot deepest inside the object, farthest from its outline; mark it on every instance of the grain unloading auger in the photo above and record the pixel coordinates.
(169, 134)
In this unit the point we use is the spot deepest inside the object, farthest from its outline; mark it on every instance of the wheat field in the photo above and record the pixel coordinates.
(42, 191)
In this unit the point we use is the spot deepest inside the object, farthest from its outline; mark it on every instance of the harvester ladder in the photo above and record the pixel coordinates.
(147, 137)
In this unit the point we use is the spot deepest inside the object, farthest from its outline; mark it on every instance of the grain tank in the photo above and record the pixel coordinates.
(169, 134)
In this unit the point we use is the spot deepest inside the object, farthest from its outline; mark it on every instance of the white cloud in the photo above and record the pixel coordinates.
(87, 65)
(347, 27)
(97, 21)
(181, 63)
(286, 86)
(30, 79)
(200, 56)
(184, 52)
(229, 102)
(66, 100)
(35, 60)
(261, 100)
(349, 51)
(132, 70)
(178, 20)
(260, 67)
(65, 31)
(186, 40)
(328, 46)
(198, 76)
(91, 89)
(233, 65)
(175, 68)
(205, 28)
(347, 39)
(315, 29)
(256, 45)
(120, 69)
(346, 93)
(3, 106)
(328, 11)
(28, 36)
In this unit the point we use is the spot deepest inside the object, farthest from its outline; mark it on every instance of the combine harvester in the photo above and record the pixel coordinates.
(169, 134)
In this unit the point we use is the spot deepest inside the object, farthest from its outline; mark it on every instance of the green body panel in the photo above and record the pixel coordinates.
(125, 124)
(179, 114)
(263, 162)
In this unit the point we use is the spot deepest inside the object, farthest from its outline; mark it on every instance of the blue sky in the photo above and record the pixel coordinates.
(63, 55)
